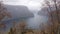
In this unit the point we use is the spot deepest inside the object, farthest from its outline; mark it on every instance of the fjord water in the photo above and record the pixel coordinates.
(35, 21)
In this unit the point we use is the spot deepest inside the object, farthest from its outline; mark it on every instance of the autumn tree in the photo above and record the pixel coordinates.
(12, 31)
(53, 15)
(3, 13)
(20, 27)
(57, 15)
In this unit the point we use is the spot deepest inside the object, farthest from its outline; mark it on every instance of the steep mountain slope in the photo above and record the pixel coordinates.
(19, 11)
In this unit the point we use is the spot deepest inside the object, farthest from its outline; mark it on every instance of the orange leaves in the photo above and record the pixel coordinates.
(2, 25)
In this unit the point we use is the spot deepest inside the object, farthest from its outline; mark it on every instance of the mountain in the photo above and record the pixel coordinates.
(44, 11)
(19, 11)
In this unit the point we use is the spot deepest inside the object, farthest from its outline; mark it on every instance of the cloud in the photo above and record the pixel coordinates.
(21, 1)
(10, 0)
(35, 4)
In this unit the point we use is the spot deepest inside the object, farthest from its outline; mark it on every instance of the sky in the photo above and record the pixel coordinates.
(34, 4)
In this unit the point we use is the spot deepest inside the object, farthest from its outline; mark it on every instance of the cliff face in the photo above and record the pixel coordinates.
(19, 11)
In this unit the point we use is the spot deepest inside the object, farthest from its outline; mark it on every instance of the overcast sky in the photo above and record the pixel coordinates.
(36, 4)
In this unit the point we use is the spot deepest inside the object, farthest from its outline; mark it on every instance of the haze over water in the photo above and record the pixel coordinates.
(35, 21)
(34, 7)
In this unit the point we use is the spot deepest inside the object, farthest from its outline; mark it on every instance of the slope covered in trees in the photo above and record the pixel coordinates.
(52, 10)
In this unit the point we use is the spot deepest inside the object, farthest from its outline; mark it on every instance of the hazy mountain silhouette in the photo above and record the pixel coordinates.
(19, 11)
(44, 11)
